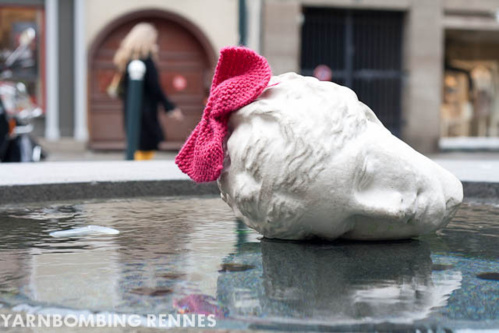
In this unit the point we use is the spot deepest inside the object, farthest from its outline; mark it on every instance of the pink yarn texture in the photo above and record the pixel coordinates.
(240, 77)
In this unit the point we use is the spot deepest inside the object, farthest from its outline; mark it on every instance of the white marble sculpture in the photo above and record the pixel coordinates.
(308, 159)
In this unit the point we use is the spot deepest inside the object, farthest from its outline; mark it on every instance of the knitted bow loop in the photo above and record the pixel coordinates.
(240, 77)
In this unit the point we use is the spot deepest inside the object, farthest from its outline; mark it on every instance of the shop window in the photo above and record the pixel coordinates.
(22, 61)
(470, 100)
(457, 111)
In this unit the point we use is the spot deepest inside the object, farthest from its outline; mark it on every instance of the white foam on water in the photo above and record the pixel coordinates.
(85, 231)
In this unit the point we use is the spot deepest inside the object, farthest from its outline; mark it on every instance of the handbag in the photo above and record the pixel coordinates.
(115, 87)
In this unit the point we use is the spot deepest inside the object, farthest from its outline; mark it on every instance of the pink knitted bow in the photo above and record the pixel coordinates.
(240, 77)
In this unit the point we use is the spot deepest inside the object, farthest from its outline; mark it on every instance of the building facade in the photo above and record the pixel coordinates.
(73, 51)
(189, 40)
(428, 68)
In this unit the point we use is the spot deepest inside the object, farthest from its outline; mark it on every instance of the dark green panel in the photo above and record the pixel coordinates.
(22, 2)
(66, 67)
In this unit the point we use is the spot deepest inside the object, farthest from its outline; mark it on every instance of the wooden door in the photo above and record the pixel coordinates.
(185, 72)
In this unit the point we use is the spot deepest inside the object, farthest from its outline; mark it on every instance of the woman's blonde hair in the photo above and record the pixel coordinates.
(140, 43)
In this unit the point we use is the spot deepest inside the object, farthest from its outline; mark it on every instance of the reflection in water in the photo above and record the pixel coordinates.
(199, 304)
(20, 240)
(493, 276)
(190, 256)
(165, 251)
(78, 279)
(343, 282)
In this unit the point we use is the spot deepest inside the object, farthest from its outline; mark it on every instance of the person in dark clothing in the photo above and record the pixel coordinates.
(141, 44)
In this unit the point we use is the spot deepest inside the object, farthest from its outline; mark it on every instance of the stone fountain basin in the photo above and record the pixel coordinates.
(179, 247)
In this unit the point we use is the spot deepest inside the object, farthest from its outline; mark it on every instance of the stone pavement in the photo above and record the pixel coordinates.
(486, 171)
(87, 172)
(67, 149)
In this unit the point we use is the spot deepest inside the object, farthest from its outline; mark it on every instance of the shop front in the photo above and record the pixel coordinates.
(470, 103)
(21, 61)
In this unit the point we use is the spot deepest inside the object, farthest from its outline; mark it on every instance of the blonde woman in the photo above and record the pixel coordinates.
(141, 44)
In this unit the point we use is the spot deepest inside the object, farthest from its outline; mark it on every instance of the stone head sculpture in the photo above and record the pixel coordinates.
(297, 158)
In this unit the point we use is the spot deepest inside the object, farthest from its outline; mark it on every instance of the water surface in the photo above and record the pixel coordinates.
(189, 255)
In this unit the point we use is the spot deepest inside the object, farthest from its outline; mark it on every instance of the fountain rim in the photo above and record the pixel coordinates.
(69, 181)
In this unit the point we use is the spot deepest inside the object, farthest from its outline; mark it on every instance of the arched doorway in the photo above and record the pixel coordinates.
(186, 61)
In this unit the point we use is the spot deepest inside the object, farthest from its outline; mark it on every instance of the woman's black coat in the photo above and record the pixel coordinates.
(150, 129)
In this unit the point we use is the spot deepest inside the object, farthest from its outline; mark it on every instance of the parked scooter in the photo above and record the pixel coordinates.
(17, 112)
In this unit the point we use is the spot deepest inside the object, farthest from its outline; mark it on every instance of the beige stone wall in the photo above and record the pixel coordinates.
(424, 66)
(281, 35)
(218, 19)
(471, 15)
(364, 4)
(470, 6)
